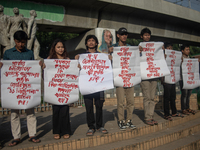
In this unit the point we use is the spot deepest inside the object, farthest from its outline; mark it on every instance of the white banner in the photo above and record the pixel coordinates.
(61, 81)
(126, 66)
(190, 72)
(173, 59)
(96, 73)
(20, 84)
(152, 61)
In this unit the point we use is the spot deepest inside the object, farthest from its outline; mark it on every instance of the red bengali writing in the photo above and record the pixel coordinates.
(148, 49)
(58, 81)
(62, 97)
(95, 67)
(173, 56)
(65, 85)
(124, 52)
(124, 63)
(22, 91)
(21, 74)
(153, 70)
(190, 73)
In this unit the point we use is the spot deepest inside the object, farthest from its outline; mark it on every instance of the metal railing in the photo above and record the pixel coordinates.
(108, 94)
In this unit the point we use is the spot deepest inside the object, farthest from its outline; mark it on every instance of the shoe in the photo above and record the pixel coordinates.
(66, 136)
(90, 132)
(121, 125)
(155, 122)
(168, 118)
(56, 136)
(185, 112)
(191, 111)
(177, 115)
(130, 125)
(102, 130)
(149, 122)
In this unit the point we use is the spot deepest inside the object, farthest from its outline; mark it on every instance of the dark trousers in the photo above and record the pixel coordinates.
(185, 96)
(98, 99)
(61, 120)
(169, 98)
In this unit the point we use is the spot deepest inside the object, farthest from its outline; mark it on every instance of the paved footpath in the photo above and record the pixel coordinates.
(78, 125)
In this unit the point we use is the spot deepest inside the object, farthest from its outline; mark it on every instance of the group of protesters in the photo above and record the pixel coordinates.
(61, 119)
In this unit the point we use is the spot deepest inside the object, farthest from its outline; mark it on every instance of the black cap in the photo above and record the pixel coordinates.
(122, 30)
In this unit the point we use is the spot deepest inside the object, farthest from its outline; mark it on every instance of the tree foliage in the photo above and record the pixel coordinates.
(194, 50)
(46, 39)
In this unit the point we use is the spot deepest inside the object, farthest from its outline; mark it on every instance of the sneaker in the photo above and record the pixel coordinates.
(121, 125)
(130, 125)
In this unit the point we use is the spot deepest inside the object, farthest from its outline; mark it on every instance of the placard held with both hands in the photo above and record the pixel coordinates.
(126, 66)
(61, 81)
(20, 84)
(96, 73)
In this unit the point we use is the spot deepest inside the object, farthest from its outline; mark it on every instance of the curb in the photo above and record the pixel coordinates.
(155, 142)
(111, 137)
(192, 146)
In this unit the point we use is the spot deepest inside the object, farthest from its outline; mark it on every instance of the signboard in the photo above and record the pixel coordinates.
(190, 73)
(173, 59)
(20, 84)
(126, 66)
(152, 61)
(61, 81)
(96, 73)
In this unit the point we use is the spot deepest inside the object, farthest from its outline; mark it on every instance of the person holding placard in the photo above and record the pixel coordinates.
(148, 88)
(91, 43)
(20, 52)
(185, 93)
(61, 119)
(169, 95)
(123, 123)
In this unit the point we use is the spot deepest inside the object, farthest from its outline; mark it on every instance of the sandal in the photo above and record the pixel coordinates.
(34, 139)
(185, 112)
(149, 122)
(90, 132)
(191, 111)
(66, 136)
(155, 122)
(103, 130)
(168, 118)
(56, 136)
(177, 115)
(14, 142)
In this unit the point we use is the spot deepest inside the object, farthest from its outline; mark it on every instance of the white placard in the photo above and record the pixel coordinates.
(20, 84)
(96, 73)
(61, 81)
(126, 66)
(190, 73)
(173, 59)
(152, 61)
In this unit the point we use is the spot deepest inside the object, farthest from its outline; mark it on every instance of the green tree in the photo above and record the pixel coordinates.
(194, 50)
(133, 42)
(176, 47)
(46, 38)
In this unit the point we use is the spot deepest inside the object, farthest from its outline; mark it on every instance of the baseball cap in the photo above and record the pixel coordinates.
(122, 30)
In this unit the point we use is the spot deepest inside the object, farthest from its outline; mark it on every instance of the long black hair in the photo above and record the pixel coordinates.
(52, 53)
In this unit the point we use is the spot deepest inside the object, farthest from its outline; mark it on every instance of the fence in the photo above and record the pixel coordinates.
(108, 94)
